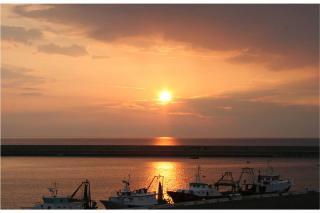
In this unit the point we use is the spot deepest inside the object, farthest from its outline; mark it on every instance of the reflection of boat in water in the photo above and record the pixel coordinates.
(80, 199)
(197, 191)
(249, 183)
(139, 198)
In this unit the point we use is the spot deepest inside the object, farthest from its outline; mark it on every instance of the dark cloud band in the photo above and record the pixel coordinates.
(284, 35)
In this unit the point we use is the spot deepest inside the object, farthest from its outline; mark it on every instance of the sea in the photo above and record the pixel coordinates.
(24, 180)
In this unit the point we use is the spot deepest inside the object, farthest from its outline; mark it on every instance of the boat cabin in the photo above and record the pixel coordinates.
(199, 185)
(265, 179)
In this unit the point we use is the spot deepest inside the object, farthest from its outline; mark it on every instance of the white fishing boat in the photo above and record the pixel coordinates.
(250, 183)
(197, 191)
(139, 198)
(271, 182)
(80, 199)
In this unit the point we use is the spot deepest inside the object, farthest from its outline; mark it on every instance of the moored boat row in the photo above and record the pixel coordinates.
(248, 183)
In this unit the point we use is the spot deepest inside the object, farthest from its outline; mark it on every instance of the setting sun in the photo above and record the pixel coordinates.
(165, 97)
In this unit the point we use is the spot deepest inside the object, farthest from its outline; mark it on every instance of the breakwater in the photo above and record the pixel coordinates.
(160, 151)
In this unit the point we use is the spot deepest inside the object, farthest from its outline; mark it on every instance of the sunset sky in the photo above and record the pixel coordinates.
(98, 70)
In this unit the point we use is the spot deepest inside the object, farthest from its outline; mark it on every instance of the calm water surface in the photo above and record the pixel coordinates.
(25, 179)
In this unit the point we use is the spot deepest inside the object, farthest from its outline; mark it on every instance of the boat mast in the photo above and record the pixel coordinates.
(160, 189)
(198, 180)
(126, 184)
(86, 194)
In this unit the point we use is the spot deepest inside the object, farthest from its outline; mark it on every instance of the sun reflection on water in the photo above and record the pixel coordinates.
(165, 141)
(170, 171)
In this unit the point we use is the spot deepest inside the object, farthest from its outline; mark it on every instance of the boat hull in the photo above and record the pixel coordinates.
(276, 189)
(59, 206)
(268, 189)
(115, 205)
(185, 197)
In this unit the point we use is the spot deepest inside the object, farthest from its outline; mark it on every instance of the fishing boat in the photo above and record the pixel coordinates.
(271, 182)
(197, 190)
(138, 199)
(79, 199)
(268, 182)
(248, 183)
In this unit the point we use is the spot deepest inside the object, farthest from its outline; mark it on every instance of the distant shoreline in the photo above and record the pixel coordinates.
(160, 151)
